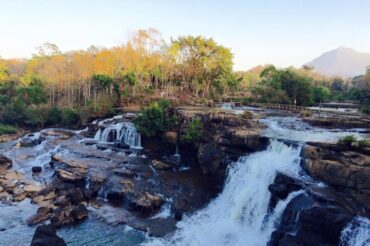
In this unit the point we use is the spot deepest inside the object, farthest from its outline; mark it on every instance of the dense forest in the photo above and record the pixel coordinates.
(54, 88)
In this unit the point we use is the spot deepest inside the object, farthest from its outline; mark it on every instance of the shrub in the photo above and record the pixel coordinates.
(193, 132)
(347, 140)
(36, 116)
(364, 143)
(7, 129)
(54, 116)
(71, 117)
(153, 120)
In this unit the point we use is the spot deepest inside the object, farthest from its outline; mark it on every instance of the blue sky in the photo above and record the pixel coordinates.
(280, 32)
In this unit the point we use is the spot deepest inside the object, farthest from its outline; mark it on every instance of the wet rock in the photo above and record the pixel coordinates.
(308, 221)
(282, 186)
(5, 163)
(76, 196)
(79, 212)
(209, 157)
(61, 201)
(159, 165)
(146, 202)
(31, 189)
(70, 176)
(62, 216)
(36, 169)
(31, 140)
(43, 213)
(45, 235)
(117, 188)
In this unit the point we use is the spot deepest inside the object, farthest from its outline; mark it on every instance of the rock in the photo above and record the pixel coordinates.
(45, 235)
(159, 165)
(31, 140)
(43, 213)
(62, 216)
(75, 196)
(36, 169)
(71, 176)
(147, 202)
(61, 201)
(79, 212)
(283, 185)
(347, 168)
(310, 222)
(209, 157)
(5, 163)
(171, 137)
(31, 189)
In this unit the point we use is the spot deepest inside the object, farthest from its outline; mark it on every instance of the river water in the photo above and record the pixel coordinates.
(238, 216)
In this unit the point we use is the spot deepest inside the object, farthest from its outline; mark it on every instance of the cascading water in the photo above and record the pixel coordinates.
(124, 132)
(357, 233)
(238, 216)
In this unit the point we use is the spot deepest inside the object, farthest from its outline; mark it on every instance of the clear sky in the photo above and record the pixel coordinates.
(280, 32)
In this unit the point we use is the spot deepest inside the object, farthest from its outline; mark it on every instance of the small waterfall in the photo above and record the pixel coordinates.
(238, 216)
(356, 233)
(124, 132)
(177, 156)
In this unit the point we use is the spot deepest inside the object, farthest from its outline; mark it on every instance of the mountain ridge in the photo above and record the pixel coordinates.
(343, 62)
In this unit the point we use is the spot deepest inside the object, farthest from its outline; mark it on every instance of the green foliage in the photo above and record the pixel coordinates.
(320, 94)
(54, 116)
(153, 120)
(71, 117)
(130, 78)
(193, 132)
(36, 116)
(33, 94)
(102, 80)
(363, 143)
(7, 129)
(347, 140)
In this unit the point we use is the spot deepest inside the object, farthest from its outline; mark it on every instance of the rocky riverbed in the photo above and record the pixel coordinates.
(107, 176)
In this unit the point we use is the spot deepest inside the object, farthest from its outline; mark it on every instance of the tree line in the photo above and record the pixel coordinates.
(55, 87)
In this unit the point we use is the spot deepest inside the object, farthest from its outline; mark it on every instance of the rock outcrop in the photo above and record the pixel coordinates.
(315, 216)
(45, 235)
(225, 134)
(340, 166)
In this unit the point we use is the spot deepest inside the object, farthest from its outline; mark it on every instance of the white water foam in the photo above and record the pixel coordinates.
(356, 233)
(238, 216)
(124, 131)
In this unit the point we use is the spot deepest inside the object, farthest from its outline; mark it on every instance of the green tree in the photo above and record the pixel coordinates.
(320, 94)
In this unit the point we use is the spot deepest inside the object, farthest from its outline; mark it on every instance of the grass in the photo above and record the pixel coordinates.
(7, 129)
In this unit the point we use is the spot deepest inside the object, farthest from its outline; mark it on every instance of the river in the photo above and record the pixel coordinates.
(237, 216)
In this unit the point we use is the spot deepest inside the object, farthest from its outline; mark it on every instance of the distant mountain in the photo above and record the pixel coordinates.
(343, 62)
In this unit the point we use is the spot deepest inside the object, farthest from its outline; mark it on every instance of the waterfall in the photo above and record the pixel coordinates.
(124, 132)
(238, 216)
(356, 233)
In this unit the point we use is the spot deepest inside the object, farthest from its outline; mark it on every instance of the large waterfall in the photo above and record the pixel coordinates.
(238, 216)
(124, 132)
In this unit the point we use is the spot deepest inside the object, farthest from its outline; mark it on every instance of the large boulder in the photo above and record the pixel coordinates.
(309, 221)
(45, 235)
